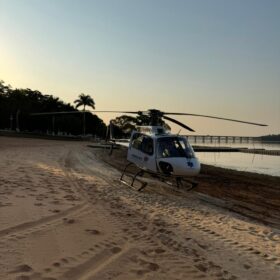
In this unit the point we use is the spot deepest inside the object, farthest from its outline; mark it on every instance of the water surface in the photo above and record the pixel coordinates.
(263, 164)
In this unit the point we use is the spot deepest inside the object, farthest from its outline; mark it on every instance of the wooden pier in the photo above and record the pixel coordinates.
(198, 149)
(222, 139)
(262, 152)
(215, 149)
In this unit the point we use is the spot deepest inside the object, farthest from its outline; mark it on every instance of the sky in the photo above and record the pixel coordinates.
(218, 57)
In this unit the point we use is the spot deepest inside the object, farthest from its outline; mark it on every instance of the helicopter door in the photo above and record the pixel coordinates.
(141, 151)
(163, 154)
(148, 152)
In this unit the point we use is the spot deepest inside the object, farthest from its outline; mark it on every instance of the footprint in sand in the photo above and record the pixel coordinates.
(141, 272)
(69, 221)
(115, 250)
(93, 231)
(71, 198)
(274, 236)
(201, 267)
(23, 277)
(38, 204)
(22, 268)
(55, 211)
(56, 264)
(56, 202)
(64, 260)
(153, 266)
(159, 251)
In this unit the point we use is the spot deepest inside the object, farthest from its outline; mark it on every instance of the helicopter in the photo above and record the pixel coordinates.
(156, 151)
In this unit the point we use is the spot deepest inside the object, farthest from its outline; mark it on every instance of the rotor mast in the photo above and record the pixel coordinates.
(155, 117)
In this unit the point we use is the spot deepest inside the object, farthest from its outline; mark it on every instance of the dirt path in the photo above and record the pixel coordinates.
(64, 215)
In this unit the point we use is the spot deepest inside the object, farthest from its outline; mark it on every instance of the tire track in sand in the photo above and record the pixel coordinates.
(38, 224)
(136, 231)
(164, 253)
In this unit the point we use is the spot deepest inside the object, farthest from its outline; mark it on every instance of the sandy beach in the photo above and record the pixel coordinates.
(64, 214)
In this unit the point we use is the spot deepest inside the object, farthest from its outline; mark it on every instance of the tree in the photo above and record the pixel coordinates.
(84, 100)
(124, 125)
(18, 105)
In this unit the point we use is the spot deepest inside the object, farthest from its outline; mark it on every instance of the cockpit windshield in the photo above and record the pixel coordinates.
(175, 146)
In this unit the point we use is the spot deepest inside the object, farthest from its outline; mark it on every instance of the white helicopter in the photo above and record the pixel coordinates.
(156, 151)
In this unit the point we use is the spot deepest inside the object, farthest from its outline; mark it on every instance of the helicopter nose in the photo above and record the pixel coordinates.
(190, 164)
(180, 167)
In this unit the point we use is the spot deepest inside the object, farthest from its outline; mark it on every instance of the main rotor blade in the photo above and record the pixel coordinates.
(122, 112)
(214, 117)
(179, 123)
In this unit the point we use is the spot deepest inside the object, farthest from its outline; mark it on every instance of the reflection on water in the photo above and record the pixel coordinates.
(264, 164)
(250, 145)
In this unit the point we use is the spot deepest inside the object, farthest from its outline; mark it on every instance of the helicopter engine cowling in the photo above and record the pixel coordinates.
(179, 166)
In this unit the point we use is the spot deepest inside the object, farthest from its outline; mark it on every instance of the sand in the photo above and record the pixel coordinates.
(253, 195)
(65, 215)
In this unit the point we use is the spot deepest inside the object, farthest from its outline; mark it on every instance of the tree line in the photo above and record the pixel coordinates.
(271, 138)
(17, 107)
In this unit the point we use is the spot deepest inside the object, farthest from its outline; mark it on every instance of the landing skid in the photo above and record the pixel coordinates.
(180, 180)
(134, 178)
(163, 178)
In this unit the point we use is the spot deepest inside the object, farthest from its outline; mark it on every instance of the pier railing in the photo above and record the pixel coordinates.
(222, 139)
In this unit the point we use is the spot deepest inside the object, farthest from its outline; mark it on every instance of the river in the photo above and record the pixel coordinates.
(263, 164)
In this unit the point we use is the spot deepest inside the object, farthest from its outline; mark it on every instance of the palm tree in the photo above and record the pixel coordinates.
(84, 100)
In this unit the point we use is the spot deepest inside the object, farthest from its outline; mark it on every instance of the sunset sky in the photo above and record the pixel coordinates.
(213, 57)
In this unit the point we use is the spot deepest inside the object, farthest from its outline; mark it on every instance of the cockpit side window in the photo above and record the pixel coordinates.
(136, 142)
(148, 145)
(187, 147)
(143, 143)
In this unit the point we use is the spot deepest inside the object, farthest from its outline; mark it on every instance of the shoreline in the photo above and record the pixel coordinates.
(221, 149)
(250, 194)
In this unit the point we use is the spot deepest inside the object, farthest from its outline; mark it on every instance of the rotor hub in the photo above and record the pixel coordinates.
(155, 117)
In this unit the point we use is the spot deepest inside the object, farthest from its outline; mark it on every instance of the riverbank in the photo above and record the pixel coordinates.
(250, 194)
(220, 149)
